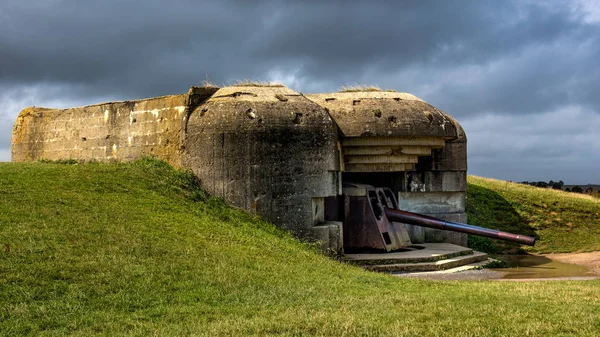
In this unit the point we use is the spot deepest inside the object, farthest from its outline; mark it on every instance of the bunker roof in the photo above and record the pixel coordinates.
(262, 108)
(386, 114)
(256, 93)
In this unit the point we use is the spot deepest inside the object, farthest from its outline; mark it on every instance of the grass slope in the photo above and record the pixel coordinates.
(563, 222)
(137, 249)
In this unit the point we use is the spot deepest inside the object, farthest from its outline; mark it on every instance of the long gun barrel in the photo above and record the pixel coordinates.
(431, 222)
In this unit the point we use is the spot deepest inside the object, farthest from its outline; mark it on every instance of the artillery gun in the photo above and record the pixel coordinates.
(373, 221)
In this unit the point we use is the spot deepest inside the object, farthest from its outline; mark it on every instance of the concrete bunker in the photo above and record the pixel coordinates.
(266, 149)
(396, 140)
(318, 165)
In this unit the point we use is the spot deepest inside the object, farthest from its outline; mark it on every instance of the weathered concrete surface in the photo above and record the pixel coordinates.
(274, 151)
(386, 114)
(119, 131)
(331, 236)
(266, 149)
(432, 202)
(416, 149)
(446, 264)
(431, 252)
(387, 131)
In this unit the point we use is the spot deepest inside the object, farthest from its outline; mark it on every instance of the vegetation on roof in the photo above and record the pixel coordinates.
(207, 83)
(363, 88)
(252, 83)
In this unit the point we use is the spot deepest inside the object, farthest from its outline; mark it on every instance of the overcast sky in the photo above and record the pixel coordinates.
(522, 77)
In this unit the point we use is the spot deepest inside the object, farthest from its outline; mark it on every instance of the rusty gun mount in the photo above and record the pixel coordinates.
(372, 220)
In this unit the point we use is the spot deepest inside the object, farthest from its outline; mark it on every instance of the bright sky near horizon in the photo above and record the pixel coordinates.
(522, 77)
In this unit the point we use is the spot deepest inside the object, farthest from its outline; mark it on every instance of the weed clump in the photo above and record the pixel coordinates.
(59, 161)
(363, 88)
(251, 83)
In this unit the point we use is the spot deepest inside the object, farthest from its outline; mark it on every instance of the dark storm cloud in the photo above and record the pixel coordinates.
(123, 47)
(335, 36)
(345, 42)
(502, 58)
(559, 145)
(120, 46)
(529, 59)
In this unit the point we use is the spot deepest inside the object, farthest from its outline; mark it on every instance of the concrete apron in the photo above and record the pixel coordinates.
(425, 257)
(444, 261)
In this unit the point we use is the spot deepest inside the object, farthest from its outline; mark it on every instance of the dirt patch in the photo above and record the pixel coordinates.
(590, 260)
(530, 271)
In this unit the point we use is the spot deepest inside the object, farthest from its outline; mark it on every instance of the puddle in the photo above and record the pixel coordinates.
(533, 266)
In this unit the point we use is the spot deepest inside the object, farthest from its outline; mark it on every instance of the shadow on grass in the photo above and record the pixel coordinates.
(486, 208)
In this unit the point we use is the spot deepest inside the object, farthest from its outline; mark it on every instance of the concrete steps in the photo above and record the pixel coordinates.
(471, 266)
(431, 266)
(421, 258)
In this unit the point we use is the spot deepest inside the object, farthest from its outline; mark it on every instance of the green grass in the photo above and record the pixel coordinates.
(138, 249)
(563, 222)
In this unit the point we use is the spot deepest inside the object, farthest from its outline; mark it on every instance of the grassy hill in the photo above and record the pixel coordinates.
(138, 249)
(563, 222)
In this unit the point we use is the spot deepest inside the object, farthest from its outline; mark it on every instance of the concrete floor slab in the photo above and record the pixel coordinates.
(446, 264)
(421, 258)
(429, 253)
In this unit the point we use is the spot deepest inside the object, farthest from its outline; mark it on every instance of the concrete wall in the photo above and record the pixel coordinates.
(265, 149)
(111, 131)
(438, 188)
(273, 151)
(396, 140)
(117, 131)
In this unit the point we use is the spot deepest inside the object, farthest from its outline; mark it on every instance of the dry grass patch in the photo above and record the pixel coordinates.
(252, 83)
(208, 84)
(363, 88)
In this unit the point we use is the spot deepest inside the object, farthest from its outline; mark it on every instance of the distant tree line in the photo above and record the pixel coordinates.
(551, 184)
(558, 185)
